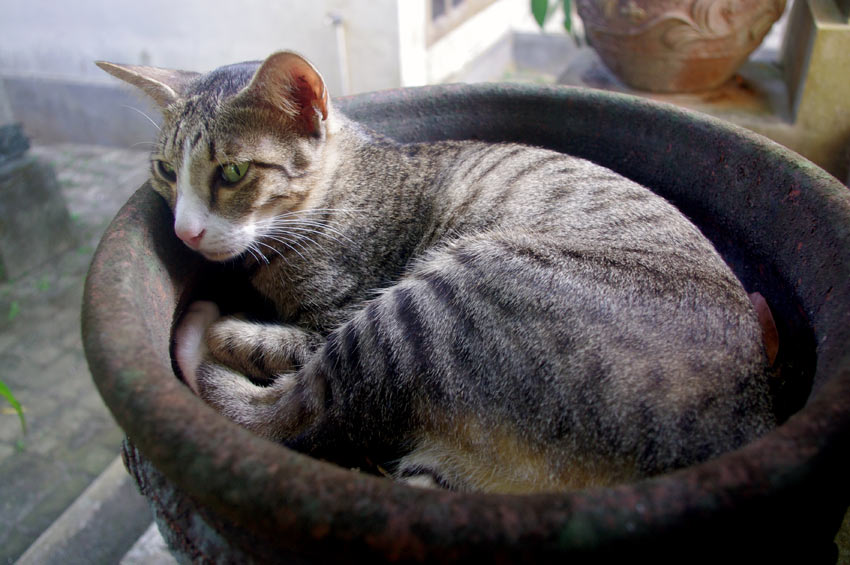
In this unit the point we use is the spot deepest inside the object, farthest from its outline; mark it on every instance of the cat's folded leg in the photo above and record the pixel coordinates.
(276, 411)
(260, 350)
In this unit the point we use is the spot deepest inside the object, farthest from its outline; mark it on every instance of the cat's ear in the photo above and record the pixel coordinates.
(165, 86)
(291, 84)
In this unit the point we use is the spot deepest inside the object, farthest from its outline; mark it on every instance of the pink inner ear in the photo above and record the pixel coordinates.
(309, 100)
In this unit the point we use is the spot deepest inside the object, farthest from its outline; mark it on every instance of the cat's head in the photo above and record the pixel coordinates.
(238, 147)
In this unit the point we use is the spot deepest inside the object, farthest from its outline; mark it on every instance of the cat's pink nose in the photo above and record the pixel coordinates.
(190, 237)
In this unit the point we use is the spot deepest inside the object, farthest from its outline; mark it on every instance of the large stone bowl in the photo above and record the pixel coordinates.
(223, 494)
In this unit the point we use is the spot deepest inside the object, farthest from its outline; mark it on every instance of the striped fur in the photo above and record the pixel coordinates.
(480, 317)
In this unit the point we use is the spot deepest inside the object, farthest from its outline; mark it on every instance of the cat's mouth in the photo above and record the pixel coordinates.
(219, 256)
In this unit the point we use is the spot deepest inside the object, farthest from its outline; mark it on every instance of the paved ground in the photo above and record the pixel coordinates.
(71, 436)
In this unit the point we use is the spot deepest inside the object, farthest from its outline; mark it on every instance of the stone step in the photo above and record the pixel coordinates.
(110, 522)
(150, 549)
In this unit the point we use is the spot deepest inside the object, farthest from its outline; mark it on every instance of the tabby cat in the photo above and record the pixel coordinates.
(482, 317)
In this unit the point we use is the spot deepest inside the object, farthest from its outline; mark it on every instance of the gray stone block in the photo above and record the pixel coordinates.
(34, 221)
(13, 142)
(99, 527)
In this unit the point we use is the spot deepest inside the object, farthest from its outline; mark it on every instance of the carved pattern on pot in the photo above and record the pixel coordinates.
(677, 45)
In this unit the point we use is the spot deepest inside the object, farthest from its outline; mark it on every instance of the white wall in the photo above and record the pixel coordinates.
(62, 39)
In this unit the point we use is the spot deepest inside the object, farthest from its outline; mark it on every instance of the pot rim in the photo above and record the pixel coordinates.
(253, 481)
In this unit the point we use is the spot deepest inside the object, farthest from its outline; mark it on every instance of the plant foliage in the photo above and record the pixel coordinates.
(542, 9)
(7, 394)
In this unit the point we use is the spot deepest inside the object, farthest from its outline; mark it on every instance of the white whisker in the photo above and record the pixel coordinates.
(281, 254)
(302, 230)
(287, 240)
(325, 227)
(290, 231)
(311, 223)
(299, 237)
(257, 254)
(297, 213)
(145, 115)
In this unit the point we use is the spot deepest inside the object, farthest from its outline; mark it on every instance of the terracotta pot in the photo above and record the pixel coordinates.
(677, 45)
(223, 494)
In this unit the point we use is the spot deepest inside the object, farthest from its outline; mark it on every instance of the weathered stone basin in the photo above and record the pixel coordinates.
(222, 494)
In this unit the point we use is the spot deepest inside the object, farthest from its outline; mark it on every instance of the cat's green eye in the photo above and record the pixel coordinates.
(166, 171)
(231, 173)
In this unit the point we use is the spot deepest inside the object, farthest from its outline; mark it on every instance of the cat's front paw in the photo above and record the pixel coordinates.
(190, 340)
(259, 350)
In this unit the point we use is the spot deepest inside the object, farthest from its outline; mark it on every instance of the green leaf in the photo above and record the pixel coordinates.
(14, 310)
(7, 394)
(568, 16)
(43, 284)
(539, 9)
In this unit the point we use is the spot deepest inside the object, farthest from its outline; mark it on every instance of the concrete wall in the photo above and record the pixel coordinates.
(48, 50)
(62, 39)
